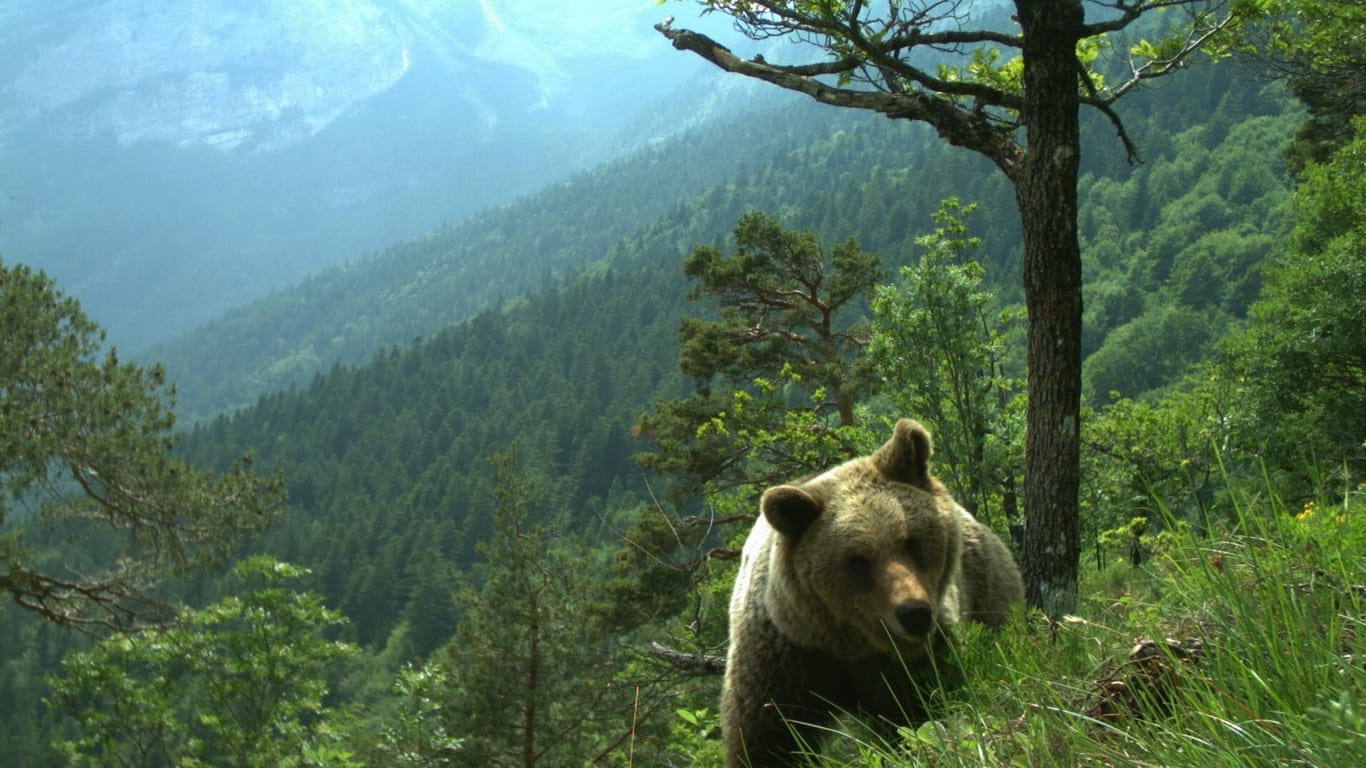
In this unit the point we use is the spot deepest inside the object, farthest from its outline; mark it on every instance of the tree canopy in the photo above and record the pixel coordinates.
(241, 682)
(783, 346)
(84, 455)
(1029, 75)
(1315, 45)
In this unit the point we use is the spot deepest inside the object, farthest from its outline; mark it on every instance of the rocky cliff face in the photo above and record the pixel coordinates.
(165, 159)
(218, 73)
(270, 73)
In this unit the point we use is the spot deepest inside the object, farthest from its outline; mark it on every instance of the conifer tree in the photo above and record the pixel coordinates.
(524, 683)
(782, 347)
(85, 443)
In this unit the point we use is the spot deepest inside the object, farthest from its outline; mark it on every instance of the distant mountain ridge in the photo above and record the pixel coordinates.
(165, 160)
(266, 74)
(200, 72)
(416, 287)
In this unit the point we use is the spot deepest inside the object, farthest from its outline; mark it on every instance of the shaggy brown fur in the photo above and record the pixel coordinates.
(844, 583)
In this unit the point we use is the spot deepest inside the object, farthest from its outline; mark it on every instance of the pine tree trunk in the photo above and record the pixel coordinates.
(532, 685)
(1046, 194)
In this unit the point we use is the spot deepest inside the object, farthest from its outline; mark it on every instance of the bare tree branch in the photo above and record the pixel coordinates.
(92, 605)
(1199, 35)
(961, 127)
(692, 662)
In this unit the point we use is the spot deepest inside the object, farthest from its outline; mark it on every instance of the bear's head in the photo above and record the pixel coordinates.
(864, 558)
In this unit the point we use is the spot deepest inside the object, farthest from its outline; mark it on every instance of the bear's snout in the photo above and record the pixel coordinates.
(916, 617)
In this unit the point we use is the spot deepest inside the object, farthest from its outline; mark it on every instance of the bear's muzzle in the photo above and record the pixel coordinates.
(915, 617)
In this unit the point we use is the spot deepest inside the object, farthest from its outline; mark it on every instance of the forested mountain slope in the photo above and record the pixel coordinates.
(551, 324)
(390, 459)
(834, 171)
(348, 313)
(385, 462)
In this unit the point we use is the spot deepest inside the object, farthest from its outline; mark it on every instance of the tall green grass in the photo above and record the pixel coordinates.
(1242, 646)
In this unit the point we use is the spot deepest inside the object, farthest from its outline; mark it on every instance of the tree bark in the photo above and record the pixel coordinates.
(529, 756)
(1046, 194)
(1044, 176)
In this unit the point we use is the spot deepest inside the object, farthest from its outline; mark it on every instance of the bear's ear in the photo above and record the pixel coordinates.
(906, 457)
(789, 509)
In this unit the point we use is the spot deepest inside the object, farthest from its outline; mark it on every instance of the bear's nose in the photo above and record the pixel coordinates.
(916, 617)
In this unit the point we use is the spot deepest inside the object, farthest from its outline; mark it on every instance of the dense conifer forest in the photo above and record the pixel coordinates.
(458, 420)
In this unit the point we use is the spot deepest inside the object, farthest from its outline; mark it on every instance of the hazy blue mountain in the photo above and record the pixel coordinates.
(168, 159)
(345, 314)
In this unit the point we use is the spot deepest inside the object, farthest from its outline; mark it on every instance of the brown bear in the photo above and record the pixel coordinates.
(844, 584)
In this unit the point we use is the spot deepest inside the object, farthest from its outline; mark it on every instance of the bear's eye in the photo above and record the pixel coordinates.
(914, 549)
(859, 567)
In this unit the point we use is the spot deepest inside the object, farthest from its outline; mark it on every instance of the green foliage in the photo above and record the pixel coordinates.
(240, 682)
(84, 452)
(983, 68)
(1303, 353)
(1130, 537)
(786, 341)
(521, 683)
(782, 302)
(417, 736)
(941, 356)
(1162, 287)
(1179, 448)
(694, 733)
(1149, 352)
(1315, 45)
(652, 570)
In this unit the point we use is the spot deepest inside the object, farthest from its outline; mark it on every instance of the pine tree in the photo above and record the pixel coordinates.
(85, 443)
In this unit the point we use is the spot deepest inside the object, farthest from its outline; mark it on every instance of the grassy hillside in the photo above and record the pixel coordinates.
(1240, 648)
